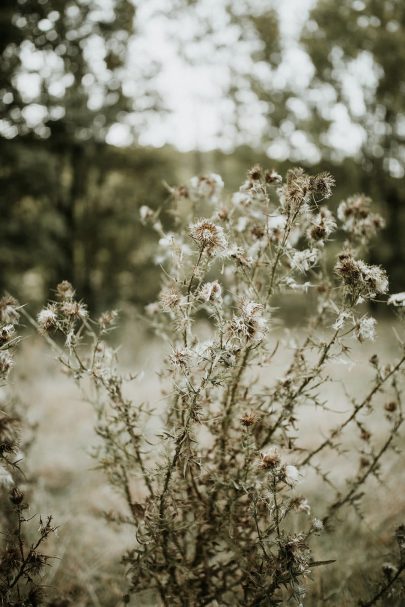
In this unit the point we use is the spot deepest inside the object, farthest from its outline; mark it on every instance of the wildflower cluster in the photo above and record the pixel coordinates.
(218, 518)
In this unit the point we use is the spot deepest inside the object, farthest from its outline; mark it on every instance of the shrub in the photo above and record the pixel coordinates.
(22, 561)
(219, 518)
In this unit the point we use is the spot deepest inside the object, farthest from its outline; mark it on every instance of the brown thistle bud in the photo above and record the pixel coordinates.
(16, 496)
(258, 232)
(272, 177)
(182, 192)
(74, 309)
(365, 435)
(255, 172)
(6, 362)
(6, 334)
(8, 309)
(248, 420)
(107, 319)
(364, 462)
(223, 214)
(64, 290)
(322, 184)
(270, 459)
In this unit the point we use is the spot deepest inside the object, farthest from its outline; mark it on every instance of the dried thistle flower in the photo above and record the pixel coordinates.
(397, 300)
(74, 310)
(302, 261)
(322, 185)
(365, 328)
(290, 475)
(270, 458)
(251, 324)
(357, 218)
(209, 187)
(7, 333)
(211, 291)
(209, 237)
(297, 190)
(169, 298)
(107, 319)
(255, 173)
(16, 496)
(322, 226)
(6, 362)
(361, 279)
(249, 419)
(8, 310)
(64, 290)
(47, 318)
(272, 177)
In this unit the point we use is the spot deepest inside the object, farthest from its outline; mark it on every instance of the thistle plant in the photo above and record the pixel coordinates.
(213, 497)
(22, 560)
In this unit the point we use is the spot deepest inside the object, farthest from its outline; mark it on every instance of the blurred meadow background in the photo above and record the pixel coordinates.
(105, 105)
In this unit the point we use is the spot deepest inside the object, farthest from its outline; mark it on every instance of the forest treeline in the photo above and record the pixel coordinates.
(69, 72)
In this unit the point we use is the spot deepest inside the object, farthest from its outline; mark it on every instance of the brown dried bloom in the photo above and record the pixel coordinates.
(270, 459)
(64, 290)
(258, 232)
(223, 214)
(301, 504)
(239, 254)
(47, 319)
(169, 298)
(74, 309)
(248, 419)
(6, 362)
(208, 236)
(251, 324)
(211, 291)
(7, 333)
(180, 358)
(209, 187)
(323, 184)
(360, 278)
(297, 190)
(322, 226)
(16, 496)
(255, 172)
(8, 310)
(272, 177)
(107, 319)
(357, 218)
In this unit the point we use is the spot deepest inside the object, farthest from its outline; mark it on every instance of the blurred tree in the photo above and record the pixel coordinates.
(357, 48)
(350, 106)
(63, 74)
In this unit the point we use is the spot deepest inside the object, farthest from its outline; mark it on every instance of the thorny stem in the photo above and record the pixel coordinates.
(279, 253)
(348, 497)
(385, 587)
(229, 399)
(287, 407)
(276, 506)
(356, 410)
(190, 286)
(25, 559)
